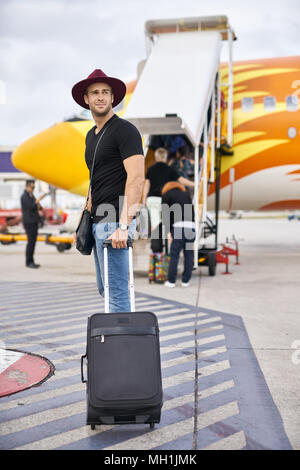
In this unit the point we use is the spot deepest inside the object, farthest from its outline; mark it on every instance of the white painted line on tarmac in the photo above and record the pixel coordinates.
(185, 333)
(191, 357)
(83, 432)
(40, 396)
(64, 438)
(42, 417)
(65, 338)
(165, 434)
(187, 344)
(83, 325)
(57, 309)
(44, 312)
(236, 441)
(183, 377)
(186, 317)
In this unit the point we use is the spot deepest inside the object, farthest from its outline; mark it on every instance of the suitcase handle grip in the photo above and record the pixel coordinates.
(82, 376)
(107, 243)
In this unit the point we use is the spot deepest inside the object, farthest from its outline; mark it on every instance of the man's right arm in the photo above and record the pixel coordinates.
(37, 201)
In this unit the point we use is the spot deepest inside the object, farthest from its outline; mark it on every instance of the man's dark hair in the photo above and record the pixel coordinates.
(182, 151)
(30, 182)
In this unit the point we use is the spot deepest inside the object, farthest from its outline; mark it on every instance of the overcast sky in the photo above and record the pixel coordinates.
(46, 46)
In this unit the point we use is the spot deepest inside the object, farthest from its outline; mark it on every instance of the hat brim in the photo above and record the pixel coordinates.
(118, 88)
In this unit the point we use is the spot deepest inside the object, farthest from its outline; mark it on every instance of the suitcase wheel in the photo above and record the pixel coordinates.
(152, 425)
(93, 427)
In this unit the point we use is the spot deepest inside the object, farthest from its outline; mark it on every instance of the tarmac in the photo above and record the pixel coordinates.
(249, 401)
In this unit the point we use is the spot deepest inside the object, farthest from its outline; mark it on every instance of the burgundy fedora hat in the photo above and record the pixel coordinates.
(118, 87)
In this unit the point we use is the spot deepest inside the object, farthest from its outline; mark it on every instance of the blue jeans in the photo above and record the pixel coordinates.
(182, 240)
(118, 266)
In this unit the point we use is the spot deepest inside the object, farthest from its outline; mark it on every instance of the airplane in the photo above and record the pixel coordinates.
(266, 137)
(257, 165)
(261, 175)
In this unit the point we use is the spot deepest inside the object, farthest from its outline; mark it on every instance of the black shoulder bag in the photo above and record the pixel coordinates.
(84, 232)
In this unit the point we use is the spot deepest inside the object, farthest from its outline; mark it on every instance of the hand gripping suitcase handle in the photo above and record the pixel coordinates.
(106, 244)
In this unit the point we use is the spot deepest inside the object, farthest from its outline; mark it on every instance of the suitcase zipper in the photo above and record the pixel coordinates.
(102, 337)
(117, 331)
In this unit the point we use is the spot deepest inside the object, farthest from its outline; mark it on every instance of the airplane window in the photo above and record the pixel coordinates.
(269, 103)
(292, 103)
(247, 105)
(292, 132)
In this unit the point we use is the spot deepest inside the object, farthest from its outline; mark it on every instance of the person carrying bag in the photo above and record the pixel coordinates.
(117, 170)
(84, 232)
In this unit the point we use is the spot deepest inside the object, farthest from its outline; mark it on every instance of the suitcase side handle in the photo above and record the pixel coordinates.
(82, 376)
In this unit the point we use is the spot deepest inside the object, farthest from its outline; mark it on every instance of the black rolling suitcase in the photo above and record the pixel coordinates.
(124, 383)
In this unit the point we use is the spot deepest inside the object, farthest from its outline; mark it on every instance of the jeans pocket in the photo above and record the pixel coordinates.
(105, 230)
(111, 228)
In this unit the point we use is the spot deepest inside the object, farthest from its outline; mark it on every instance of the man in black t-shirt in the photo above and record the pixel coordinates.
(179, 220)
(117, 180)
(156, 177)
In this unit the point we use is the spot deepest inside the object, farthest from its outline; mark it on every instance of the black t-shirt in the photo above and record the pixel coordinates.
(183, 199)
(120, 141)
(159, 174)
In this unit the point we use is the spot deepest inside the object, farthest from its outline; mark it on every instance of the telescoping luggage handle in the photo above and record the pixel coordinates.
(106, 244)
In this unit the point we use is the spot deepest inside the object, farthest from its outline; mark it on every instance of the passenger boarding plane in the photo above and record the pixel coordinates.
(262, 174)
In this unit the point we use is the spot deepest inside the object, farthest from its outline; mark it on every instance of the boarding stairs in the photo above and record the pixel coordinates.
(179, 92)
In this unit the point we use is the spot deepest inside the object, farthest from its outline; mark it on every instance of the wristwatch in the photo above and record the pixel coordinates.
(123, 227)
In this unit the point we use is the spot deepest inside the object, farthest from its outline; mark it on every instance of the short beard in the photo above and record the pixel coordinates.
(101, 113)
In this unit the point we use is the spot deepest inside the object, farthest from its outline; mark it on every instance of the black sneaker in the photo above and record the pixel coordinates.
(32, 265)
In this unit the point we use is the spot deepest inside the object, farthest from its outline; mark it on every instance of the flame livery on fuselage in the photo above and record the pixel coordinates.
(263, 173)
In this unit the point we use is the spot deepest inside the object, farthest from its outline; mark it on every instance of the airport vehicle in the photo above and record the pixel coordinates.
(241, 118)
(13, 218)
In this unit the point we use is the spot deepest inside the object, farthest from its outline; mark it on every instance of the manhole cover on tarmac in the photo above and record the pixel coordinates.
(20, 370)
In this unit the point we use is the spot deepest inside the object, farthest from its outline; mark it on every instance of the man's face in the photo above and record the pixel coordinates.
(99, 97)
(30, 187)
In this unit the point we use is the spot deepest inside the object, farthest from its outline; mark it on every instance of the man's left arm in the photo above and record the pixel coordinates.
(135, 169)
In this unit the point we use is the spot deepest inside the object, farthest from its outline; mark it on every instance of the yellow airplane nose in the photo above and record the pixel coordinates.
(56, 156)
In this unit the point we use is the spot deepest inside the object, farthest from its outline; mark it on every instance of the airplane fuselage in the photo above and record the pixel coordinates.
(263, 173)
